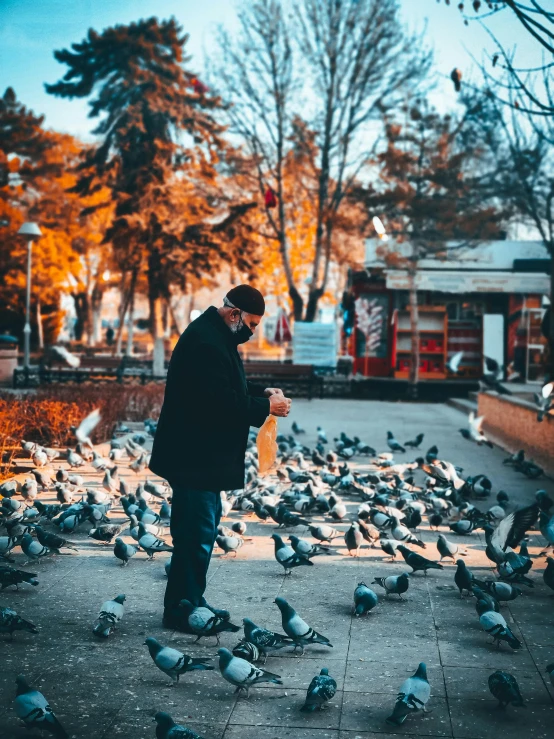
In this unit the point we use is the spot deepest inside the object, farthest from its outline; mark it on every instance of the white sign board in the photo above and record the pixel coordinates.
(315, 343)
(472, 282)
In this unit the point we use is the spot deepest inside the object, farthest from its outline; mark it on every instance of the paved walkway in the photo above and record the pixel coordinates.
(111, 689)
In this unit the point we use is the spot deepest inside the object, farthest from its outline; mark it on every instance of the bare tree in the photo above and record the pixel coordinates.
(354, 59)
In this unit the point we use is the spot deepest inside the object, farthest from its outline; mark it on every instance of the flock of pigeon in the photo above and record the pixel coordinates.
(306, 484)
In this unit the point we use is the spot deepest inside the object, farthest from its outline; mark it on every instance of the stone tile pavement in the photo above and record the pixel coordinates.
(111, 689)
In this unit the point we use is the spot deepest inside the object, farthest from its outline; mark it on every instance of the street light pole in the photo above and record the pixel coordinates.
(27, 329)
(31, 231)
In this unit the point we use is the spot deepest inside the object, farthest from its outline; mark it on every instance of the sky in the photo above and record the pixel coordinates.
(30, 30)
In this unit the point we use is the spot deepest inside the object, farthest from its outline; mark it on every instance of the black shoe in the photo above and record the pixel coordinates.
(177, 620)
(219, 612)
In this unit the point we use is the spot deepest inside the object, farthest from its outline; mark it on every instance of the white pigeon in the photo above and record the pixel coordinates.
(243, 674)
(87, 426)
(72, 359)
(110, 615)
(412, 696)
(454, 362)
(475, 428)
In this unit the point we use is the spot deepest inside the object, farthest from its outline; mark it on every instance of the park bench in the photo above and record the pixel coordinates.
(291, 377)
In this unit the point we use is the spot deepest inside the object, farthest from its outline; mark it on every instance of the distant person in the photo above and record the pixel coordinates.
(110, 334)
(201, 437)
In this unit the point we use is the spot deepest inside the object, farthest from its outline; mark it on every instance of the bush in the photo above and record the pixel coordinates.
(47, 414)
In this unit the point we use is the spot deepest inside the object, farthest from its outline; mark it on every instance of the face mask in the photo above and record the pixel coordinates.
(243, 333)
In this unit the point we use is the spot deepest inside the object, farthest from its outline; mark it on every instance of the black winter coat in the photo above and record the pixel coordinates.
(208, 408)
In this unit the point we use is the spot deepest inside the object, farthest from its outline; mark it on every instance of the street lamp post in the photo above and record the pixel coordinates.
(31, 231)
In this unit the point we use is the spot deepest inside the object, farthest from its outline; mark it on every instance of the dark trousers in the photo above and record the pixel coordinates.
(195, 516)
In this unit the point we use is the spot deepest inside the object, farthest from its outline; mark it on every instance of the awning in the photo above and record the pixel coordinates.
(454, 281)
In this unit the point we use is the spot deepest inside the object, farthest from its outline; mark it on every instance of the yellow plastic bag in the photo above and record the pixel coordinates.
(267, 444)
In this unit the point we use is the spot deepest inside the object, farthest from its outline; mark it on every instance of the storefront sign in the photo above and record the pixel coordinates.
(315, 343)
(449, 281)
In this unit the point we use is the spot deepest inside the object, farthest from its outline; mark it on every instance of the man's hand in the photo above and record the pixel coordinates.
(269, 391)
(279, 405)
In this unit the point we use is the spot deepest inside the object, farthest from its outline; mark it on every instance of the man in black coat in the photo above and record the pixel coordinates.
(201, 437)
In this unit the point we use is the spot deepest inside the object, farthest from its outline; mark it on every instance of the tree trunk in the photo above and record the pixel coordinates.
(125, 296)
(549, 369)
(90, 322)
(311, 305)
(414, 331)
(156, 319)
(297, 303)
(96, 301)
(40, 327)
(81, 309)
(131, 321)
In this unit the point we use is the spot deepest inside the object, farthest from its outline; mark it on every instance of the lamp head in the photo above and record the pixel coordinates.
(30, 230)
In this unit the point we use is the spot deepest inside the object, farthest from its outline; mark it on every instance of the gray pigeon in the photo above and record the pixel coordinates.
(354, 539)
(447, 548)
(124, 551)
(33, 709)
(10, 621)
(287, 557)
(505, 689)
(306, 549)
(7, 543)
(173, 662)
(167, 728)
(297, 629)
(248, 651)
(151, 544)
(364, 599)
(110, 615)
(229, 544)
(502, 590)
(264, 639)
(396, 584)
(495, 625)
(321, 690)
(464, 578)
(204, 622)
(324, 532)
(12, 576)
(412, 696)
(34, 549)
(550, 672)
(417, 562)
(241, 673)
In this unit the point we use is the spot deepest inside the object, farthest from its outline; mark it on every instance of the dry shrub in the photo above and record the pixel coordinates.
(47, 414)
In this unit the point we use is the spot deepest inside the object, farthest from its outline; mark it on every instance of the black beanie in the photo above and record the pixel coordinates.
(248, 299)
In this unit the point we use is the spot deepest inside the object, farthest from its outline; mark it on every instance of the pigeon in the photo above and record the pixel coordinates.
(354, 539)
(389, 546)
(505, 689)
(495, 625)
(544, 400)
(296, 428)
(34, 549)
(412, 696)
(151, 543)
(11, 576)
(447, 548)
(243, 674)
(417, 562)
(432, 454)
(321, 435)
(393, 444)
(509, 532)
(502, 591)
(124, 551)
(110, 615)
(248, 651)
(10, 621)
(464, 527)
(263, 639)
(546, 525)
(414, 443)
(402, 533)
(550, 672)
(7, 543)
(324, 532)
(306, 549)
(454, 362)
(106, 532)
(286, 556)
(548, 574)
(463, 577)
(53, 541)
(35, 712)
(173, 662)
(239, 527)
(364, 599)
(204, 622)
(321, 690)
(229, 544)
(396, 584)
(298, 630)
(167, 728)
